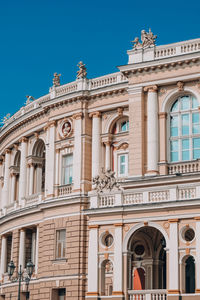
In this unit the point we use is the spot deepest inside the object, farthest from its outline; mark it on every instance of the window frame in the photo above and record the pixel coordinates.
(63, 245)
(179, 138)
(64, 167)
(117, 162)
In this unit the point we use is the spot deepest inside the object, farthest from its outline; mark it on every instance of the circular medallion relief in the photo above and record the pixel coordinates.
(107, 240)
(65, 129)
(188, 234)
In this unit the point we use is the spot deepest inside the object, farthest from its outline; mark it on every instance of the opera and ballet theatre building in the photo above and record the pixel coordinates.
(100, 183)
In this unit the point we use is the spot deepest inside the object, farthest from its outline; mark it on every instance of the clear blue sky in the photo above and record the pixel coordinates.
(40, 37)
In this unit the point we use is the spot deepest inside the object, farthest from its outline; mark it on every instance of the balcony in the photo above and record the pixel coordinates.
(184, 167)
(142, 196)
(63, 190)
(148, 295)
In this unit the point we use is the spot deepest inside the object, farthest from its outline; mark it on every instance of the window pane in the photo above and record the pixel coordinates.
(174, 145)
(195, 103)
(174, 125)
(185, 103)
(67, 169)
(186, 155)
(185, 144)
(122, 158)
(174, 156)
(196, 143)
(195, 123)
(196, 148)
(185, 124)
(124, 126)
(175, 106)
(196, 153)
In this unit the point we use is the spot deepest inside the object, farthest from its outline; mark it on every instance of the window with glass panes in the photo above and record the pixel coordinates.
(122, 164)
(67, 169)
(60, 243)
(124, 126)
(184, 129)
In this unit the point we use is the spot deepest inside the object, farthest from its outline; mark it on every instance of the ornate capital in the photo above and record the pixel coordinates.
(93, 226)
(7, 151)
(173, 220)
(77, 116)
(151, 88)
(95, 114)
(23, 140)
(51, 123)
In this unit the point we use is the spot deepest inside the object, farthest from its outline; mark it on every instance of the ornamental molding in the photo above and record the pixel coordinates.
(180, 85)
(106, 182)
(151, 88)
(95, 114)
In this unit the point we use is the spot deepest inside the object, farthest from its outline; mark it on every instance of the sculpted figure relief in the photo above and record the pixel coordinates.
(106, 181)
(56, 79)
(66, 128)
(147, 39)
(82, 72)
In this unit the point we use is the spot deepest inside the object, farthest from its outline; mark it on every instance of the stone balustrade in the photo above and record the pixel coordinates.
(124, 198)
(64, 190)
(148, 295)
(184, 167)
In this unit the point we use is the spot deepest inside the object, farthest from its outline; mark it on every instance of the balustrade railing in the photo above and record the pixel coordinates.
(148, 295)
(64, 190)
(184, 167)
(145, 196)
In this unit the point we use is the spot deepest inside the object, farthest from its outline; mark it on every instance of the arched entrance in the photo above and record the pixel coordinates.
(190, 275)
(146, 259)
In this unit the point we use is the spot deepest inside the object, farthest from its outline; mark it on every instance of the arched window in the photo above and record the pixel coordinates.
(190, 275)
(184, 129)
(38, 161)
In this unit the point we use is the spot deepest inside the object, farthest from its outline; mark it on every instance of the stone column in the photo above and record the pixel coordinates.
(152, 130)
(23, 170)
(36, 249)
(3, 255)
(173, 287)
(13, 185)
(136, 131)
(39, 178)
(77, 155)
(197, 263)
(93, 289)
(96, 143)
(31, 178)
(22, 248)
(33, 247)
(108, 155)
(5, 190)
(57, 167)
(118, 265)
(163, 169)
(50, 159)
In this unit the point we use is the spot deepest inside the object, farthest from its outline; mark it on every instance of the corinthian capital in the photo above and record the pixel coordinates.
(150, 88)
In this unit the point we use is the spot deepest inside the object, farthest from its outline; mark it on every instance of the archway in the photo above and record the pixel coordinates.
(190, 275)
(146, 259)
(106, 275)
(38, 164)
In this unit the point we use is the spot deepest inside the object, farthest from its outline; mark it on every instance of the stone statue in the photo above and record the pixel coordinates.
(82, 72)
(29, 99)
(56, 79)
(106, 181)
(147, 39)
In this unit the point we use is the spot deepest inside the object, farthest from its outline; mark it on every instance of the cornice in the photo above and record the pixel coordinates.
(157, 65)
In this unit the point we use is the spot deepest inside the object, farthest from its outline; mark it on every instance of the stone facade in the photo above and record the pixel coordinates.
(132, 235)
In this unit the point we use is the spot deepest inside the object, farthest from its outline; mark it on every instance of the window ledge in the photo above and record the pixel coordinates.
(59, 260)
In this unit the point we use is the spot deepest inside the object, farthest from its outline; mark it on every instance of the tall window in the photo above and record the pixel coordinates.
(184, 129)
(67, 169)
(60, 243)
(122, 165)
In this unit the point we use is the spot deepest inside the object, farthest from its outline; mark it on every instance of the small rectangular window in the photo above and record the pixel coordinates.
(60, 243)
(67, 169)
(123, 165)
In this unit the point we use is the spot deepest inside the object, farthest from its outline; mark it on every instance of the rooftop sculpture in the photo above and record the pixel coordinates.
(56, 79)
(82, 72)
(29, 99)
(5, 118)
(147, 39)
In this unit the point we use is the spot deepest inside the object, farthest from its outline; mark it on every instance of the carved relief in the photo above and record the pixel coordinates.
(106, 181)
(65, 128)
(180, 86)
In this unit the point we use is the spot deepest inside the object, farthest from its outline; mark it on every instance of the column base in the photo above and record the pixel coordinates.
(151, 173)
(117, 295)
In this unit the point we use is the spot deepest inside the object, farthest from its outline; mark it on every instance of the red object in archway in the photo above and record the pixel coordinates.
(139, 279)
